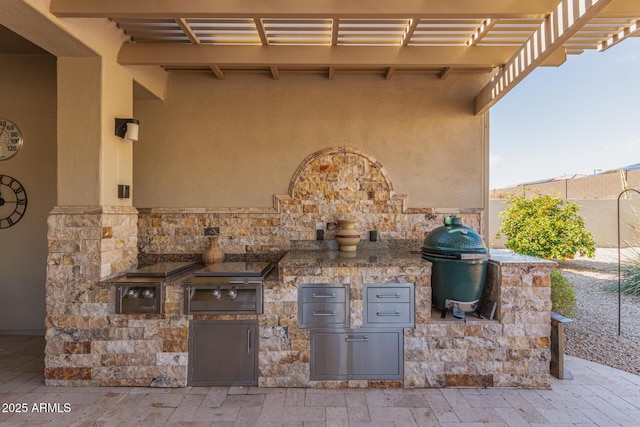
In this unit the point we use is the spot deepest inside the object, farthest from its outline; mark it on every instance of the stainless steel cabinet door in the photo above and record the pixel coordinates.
(223, 352)
(372, 354)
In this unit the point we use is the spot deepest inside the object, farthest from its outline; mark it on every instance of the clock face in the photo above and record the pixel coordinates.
(13, 201)
(10, 139)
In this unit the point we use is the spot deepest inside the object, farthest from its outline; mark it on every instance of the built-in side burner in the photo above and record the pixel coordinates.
(141, 290)
(235, 269)
(161, 269)
(226, 287)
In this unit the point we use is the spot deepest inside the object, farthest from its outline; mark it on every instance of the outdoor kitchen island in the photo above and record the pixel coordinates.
(89, 343)
(511, 351)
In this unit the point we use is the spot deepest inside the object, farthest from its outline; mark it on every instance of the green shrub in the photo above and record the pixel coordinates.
(629, 275)
(563, 297)
(545, 227)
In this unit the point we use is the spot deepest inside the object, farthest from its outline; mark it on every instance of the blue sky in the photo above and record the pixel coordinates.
(572, 119)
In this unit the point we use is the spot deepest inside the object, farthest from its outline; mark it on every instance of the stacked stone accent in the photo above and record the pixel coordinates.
(87, 245)
(285, 348)
(331, 184)
(510, 351)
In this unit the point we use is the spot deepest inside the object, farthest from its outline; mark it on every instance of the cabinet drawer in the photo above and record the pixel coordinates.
(389, 305)
(389, 293)
(326, 293)
(389, 313)
(314, 315)
(363, 354)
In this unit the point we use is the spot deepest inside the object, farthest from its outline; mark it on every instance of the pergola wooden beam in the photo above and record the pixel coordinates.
(565, 20)
(261, 31)
(186, 28)
(301, 9)
(275, 73)
(409, 32)
(304, 56)
(218, 72)
(629, 31)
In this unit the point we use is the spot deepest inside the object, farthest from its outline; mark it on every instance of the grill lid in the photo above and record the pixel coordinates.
(454, 240)
(161, 269)
(234, 269)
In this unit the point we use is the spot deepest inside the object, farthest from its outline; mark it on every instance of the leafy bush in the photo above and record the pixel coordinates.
(546, 227)
(563, 297)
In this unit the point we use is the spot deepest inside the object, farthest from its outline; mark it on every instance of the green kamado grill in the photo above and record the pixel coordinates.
(459, 260)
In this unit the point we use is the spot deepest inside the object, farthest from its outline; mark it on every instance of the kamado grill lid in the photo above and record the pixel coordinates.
(454, 240)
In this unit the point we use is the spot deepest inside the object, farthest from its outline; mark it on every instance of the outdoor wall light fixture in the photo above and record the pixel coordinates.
(127, 128)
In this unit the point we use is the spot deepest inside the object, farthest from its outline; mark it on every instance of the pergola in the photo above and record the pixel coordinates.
(330, 37)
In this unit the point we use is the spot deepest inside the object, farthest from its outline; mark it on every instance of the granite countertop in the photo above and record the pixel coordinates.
(386, 257)
(503, 256)
(360, 258)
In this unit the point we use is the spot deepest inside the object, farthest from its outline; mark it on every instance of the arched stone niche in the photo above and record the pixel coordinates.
(330, 184)
(340, 181)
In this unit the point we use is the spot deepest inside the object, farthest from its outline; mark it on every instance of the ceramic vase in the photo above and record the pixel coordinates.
(213, 252)
(347, 236)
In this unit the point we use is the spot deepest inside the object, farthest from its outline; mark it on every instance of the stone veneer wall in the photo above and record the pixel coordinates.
(333, 183)
(510, 351)
(86, 245)
(285, 349)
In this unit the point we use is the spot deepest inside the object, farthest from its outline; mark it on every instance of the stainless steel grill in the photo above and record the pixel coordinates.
(226, 287)
(141, 291)
(225, 352)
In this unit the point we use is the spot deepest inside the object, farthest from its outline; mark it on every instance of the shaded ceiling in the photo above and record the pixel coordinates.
(12, 43)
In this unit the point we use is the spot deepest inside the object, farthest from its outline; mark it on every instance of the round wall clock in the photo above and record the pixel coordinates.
(13, 201)
(10, 139)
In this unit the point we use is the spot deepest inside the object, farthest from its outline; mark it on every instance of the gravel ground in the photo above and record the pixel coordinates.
(593, 334)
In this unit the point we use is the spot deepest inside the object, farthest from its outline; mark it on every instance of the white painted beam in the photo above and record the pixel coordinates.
(302, 9)
(632, 30)
(565, 20)
(304, 56)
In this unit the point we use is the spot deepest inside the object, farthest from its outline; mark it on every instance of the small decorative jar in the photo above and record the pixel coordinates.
(347, 236)
(213, 252)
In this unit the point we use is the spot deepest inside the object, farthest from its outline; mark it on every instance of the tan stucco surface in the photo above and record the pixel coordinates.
(29, 100)
(236, 142)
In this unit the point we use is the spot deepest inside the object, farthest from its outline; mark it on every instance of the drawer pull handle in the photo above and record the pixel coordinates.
(396, 295)
(324, 313)
(388, 313)
(314, 295)
(363, 338)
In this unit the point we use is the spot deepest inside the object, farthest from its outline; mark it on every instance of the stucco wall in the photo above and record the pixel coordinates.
(606, 185)
(236, 142)
(29, 99)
